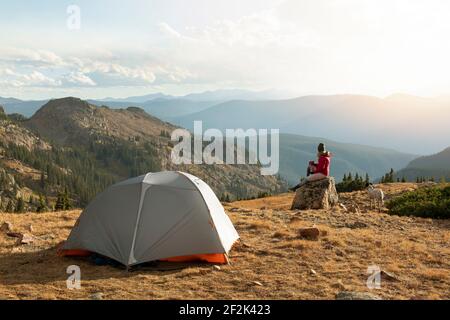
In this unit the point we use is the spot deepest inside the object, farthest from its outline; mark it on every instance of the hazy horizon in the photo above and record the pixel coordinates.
(375, 48)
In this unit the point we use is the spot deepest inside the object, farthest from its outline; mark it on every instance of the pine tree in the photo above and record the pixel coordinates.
(42, 207)
(59, 205)
(66, 201)
(42, 182)
(9, 207)
(20, 207)
(403, 180)
(367, 178)
(345, 178)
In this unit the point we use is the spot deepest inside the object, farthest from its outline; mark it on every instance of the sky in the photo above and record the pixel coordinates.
(112, 48)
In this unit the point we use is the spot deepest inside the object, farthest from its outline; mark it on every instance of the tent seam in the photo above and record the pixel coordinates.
(138, 218)
(207, 207)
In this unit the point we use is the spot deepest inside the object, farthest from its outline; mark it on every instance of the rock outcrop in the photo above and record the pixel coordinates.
(320, 194)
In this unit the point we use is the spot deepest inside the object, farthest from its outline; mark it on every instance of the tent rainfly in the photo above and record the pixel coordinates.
(168, 216)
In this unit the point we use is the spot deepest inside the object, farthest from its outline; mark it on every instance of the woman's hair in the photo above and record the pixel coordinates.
(321, 148)
(322, 151)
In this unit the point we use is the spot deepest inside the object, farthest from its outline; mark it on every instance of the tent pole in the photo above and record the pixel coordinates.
(228, 259)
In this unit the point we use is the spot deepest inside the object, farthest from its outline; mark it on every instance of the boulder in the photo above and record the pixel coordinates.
(320, 194)
(309, 233)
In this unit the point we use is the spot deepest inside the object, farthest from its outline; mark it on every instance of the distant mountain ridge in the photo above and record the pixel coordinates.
(221, 95)
(164, 109)
(401, 122)
(435, 166)
(26, 108)
(159, 104)
(405, 123)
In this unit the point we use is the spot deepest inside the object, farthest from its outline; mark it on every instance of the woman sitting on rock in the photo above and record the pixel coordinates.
(317, 171)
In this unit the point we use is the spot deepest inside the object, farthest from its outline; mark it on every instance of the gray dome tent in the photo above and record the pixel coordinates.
(171, 216)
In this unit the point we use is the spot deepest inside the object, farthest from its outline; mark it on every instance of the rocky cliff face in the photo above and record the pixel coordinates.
(11, 132)
(72, 121)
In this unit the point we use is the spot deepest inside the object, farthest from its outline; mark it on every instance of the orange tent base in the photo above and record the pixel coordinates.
(74, 253)
(219, 258)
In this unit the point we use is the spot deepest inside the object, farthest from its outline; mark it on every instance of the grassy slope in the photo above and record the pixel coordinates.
(416, 250)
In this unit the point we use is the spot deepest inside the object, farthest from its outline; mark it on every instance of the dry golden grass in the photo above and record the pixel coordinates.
(415, 250)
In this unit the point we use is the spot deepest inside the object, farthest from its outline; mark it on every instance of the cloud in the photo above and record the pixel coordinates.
(225, 52)
(253, 51)
(263, 29)
(168, 30)
(29, 57)
(34, 79)
(77, 79)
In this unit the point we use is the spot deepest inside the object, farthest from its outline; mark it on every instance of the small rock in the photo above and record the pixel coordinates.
(257, 283)
(339, 252)
(339, 285)
(343, 207)
(245, 245)
(353, 295)
(309, 233)
(6, 227)
(30, 228)
(313, 272)
(388, 276)
(217, 268)
(96, 296)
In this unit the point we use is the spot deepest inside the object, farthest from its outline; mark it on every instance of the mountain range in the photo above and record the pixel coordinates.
(71, 146)
(218, 96)
(403, 123)
(435, 166)
(90, 144)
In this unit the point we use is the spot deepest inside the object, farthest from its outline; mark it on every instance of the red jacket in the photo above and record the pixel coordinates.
(324, 165)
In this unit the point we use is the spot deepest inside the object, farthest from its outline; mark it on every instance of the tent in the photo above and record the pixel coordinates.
(169, 216)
